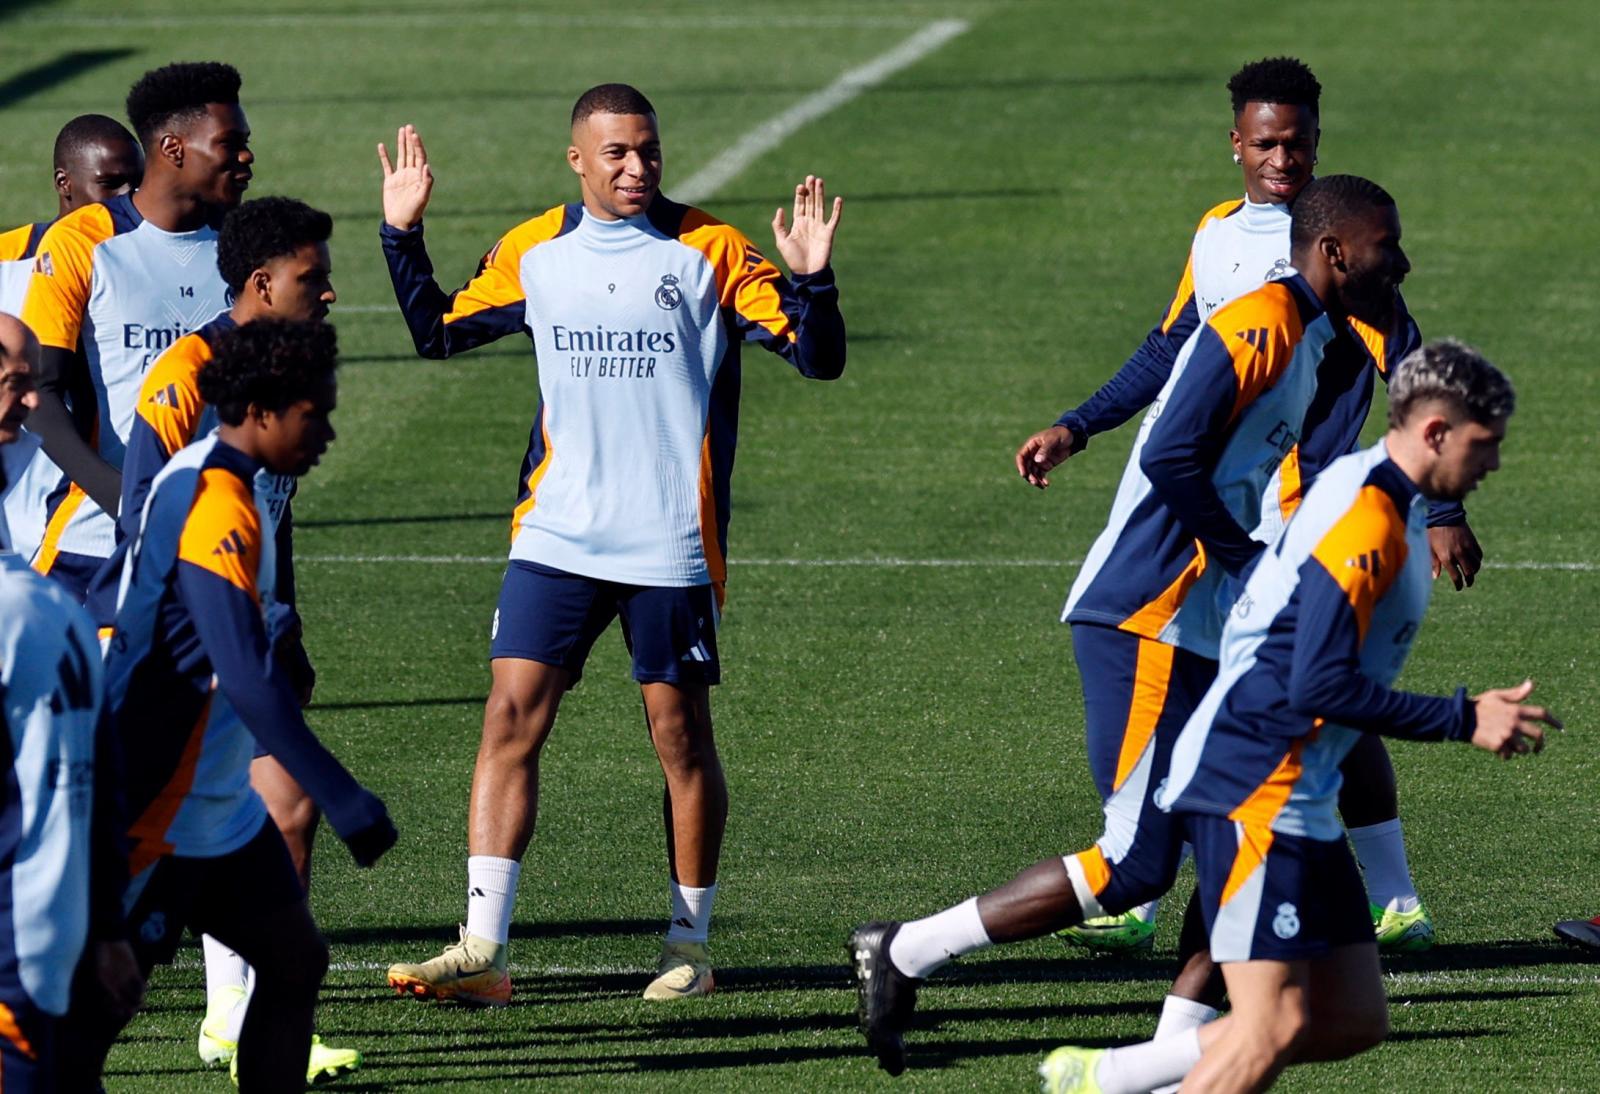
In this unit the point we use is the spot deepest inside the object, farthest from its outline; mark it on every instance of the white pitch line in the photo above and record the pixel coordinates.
(774, 131)
(887, 563)
(447, 20)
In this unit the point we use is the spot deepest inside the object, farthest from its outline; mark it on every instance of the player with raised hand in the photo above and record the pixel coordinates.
(61, 866)
(95, 159)
(1239, 243)
(637, 307)
(114, 284)
(193, 686)
(1149, 603)
(1309, 659)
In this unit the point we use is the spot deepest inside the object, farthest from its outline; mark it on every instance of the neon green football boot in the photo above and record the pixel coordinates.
(325, 1064)
(1402, 932)
(1070, 1070)
(1125, 933)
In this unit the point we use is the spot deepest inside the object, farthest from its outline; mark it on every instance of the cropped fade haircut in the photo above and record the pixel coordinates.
(270, 364)
(611, 99)
(1284, 80)
(264, 229)
(85, 132)
(1329, 201)
(179, 91)
(1453, 373)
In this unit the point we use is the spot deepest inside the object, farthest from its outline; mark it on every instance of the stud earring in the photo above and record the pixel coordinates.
(1238, 158)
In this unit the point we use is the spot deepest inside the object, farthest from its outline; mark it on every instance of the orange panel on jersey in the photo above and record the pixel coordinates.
(63, 272)
(169, 398)
(149, 831)
(1254, 843)
(1376, 341)
(1289, 485)
(747, 281)
(1364, 551)
(1266, 800)
(11, 1031)
(222, 533)
(534, 477)
(14, 244)
(1096, 871)
(1151, 674)
(44, 559)
(716, 561)
(1149, 620)
(498, 281)
(1260, 330)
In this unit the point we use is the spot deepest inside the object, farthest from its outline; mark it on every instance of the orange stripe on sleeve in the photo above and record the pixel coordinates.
(498, 281)
(1260, 330)
(1376, 341)
(1151, 674)
(63, 272)
(747, 281)
(14, 244)
(169, 398)
(1364, 551)
(222, 533)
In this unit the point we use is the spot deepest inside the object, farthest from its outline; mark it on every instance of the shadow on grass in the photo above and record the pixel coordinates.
(559, 928)
(58, 70)
(1504, 954)
(387, 704)
(1407, 999)
(426, 518)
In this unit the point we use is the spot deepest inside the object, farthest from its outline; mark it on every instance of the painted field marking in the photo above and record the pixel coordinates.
(451, 19)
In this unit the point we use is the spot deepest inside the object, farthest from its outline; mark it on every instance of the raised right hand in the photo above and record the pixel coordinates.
(408, 183)
(1043, 451)
(1509, 727)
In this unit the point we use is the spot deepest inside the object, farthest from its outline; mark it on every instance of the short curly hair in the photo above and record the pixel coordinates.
(264, 229)
(85, 132)
(1454, 373)
(611, 99)
(1275, 80)
(1330, 200)
(179, 90)
(270, 364)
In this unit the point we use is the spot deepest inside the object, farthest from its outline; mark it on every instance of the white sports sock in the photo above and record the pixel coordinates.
(1147, 912)
(224, 968)
(491, 891)
(923, 945)
(1138, 1069)
(1179, 1014)
(691, 912)
(1381, 850)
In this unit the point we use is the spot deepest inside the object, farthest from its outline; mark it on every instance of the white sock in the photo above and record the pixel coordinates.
(224, 968)
(1381, 850)
(1138, 1069)
(1179, 1014)
(691, 912)
(1147, 912)
(922, 946)
(491, 891)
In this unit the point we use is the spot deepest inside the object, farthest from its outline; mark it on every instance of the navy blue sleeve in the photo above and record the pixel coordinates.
(1136, 384)
(810, 304)
(425, 305)
(235, 641)
(1326, 681)
(1181, 452)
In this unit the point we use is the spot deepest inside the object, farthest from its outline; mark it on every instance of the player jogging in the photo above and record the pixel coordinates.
(273, 255)
(61, 867)
(1148, 605)
(637, 307)
(114, 285)
(1309, 656)
(193, 686)
(95, 159)
(1239, 243)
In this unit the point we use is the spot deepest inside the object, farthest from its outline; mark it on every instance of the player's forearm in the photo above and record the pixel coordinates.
(1180, 474)
(70, 452)
(1135, 385)
(819, 345)
(235, 642)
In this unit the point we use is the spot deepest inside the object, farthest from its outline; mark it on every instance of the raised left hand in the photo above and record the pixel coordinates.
(807, 246)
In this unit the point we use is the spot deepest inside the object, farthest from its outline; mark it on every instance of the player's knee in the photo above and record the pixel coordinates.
(515, 723)
(1286, 1030)
(1351, 1033)
(295, 817)
(681, 742)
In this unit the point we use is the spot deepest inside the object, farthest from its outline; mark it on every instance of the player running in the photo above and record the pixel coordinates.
(637, 307)
(95, 159)
(193, 687)
(1257, 378)
(60, 865)
(115, 284)
(1240, 243)
(273, 255)
(1309, 656)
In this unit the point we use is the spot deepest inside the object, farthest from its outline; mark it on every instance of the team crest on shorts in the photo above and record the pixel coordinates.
(1286, 924)
(494, 627)
(153, 929)
(668, 295)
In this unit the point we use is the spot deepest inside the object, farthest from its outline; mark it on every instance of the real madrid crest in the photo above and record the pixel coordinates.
(668, 295)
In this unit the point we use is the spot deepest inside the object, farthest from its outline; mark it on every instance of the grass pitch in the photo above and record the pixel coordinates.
(897, 735)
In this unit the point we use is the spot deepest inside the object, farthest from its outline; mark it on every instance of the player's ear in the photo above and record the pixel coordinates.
(261, 281)
(1434, 432)
(1332, 252)
(63, 184)
(575, 159)
(171, 149)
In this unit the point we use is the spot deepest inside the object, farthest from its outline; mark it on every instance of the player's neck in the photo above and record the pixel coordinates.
(1411, 456)
(170, 209)
(248, 308)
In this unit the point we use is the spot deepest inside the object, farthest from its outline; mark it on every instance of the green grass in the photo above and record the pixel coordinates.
(896, 738)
